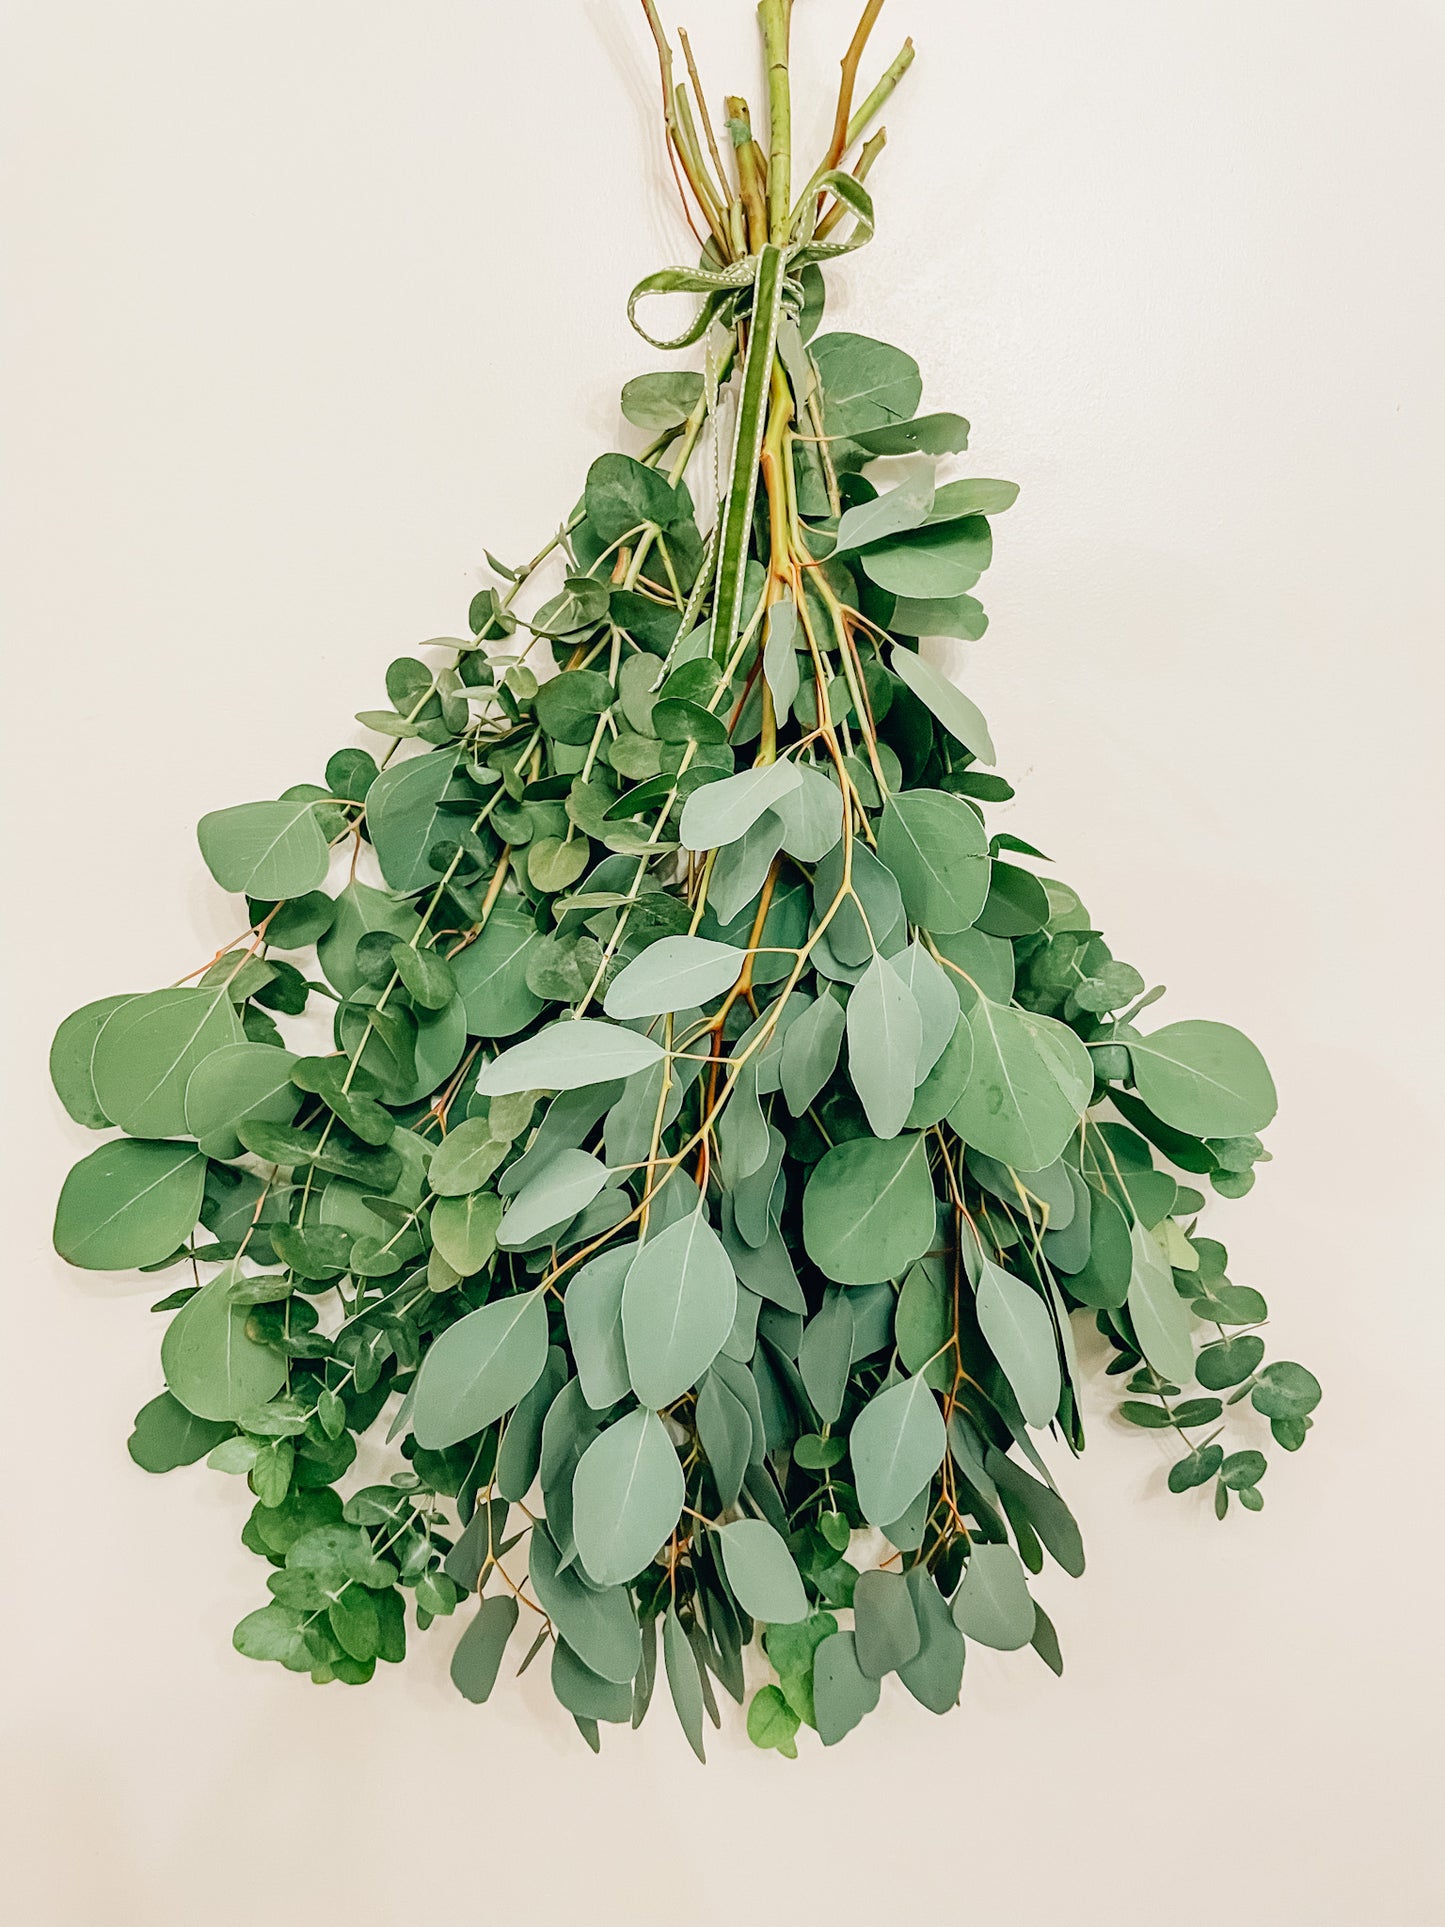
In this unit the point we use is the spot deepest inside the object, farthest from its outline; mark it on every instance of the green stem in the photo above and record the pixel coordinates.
(776, 17)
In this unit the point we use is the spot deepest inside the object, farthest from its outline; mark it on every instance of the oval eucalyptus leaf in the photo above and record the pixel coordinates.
(270, 850)
(868, 1211)
(130, 1203)
(563, 1186)
(167, 1435)
(593, 1308)
(1204, 1078)
(937, 848)
(1019, 1332)
(885, 1036)
(235, 1082)
(720, 813)
(568, 1055)
(897, 1444)
(478, 1369)
(404, 817)
(761, 1571)
(1029, 1086)
(477, 1658)
(672, 974)
(145, 1053)
(843, 1694)
(464, 1230)
(678, 1305)
(948, 703)
(992, 1604)
(598, 1623)
(70, 1056)
(211, 1362)
(1160, 1316)
(466, 1157)
(627, 1495)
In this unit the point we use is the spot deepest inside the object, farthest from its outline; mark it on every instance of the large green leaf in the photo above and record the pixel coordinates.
(949, 704)
(268, 850)
(663, 400)
(211, 1364)
(167, 1435)
(466, 1157)
(568, 1055)
(1019, 1332)
(992, 1604)
(478, 1655)
(810, 1051)
(359, 911)
(885, 1625)
(235, 1082)
(896, 1444)
(924, 435)
(866, 384)
(1207, 1079)
(761, 1571)
(944, 560)
(868, 1211)
(903, 507)
(843, 1694)
(1030, 1084)
(561, 1187)
(128, 1204)
(593, 1308)
(674, 973)
(479, 1368)
(938, 849)
(146, 1050)
(935, 1673)
(720, 813)
(678, 1305)
(1161, 1319)
(811, 815)
(491, 974)
(598, 1623)
(885, 1036)
(70, 1056)
(405, 818)
(627, 1495)
(464, 1230)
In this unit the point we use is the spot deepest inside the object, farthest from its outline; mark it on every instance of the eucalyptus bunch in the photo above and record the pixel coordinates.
(716, 1130)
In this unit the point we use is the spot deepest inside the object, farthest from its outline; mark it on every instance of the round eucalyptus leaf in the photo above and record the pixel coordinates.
(148, 1047)
(213, 1365)
(70, 1056)
(128, 1204)
(1204, 1078)
(868, 1211)
(235, 1082)
(270, 850)
(937, 848)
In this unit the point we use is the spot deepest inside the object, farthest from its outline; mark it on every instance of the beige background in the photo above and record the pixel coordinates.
(311, 300)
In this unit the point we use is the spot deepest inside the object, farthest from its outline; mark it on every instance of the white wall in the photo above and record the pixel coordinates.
(309, 302)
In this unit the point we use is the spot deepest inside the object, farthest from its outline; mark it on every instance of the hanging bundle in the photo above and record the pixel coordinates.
(719, 1131)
